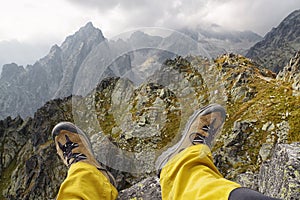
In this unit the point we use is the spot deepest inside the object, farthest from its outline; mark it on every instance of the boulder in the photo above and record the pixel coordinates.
(280, 176)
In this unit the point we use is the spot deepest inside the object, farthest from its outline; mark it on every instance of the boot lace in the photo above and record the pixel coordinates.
(68, 154)
(198, 138)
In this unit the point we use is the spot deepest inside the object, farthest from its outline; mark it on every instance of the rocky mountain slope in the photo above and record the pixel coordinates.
(25, 90)
(86, 57)
(129, 125)
(279, 45)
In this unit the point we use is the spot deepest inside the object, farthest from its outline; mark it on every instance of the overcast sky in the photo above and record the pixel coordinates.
(30, 27)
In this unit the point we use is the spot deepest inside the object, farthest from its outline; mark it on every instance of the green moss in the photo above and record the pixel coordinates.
(270, 100)
(170, 129)
(6, 176)
(102, 101)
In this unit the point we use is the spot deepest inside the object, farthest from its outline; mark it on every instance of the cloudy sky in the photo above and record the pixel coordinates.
(30, 27)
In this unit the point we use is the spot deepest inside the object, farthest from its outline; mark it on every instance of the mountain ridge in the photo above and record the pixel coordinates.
(48, 78)
(83, 58)
(279, 44)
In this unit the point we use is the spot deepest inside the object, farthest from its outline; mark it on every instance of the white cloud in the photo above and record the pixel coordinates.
(33, 20)
(49, 22)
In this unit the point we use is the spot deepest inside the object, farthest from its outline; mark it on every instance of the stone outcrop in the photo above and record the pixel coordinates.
(146, 189)
(291, 73)
(280, 175)
(28, 160)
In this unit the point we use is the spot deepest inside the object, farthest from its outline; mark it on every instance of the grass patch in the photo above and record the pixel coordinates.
(6, 176)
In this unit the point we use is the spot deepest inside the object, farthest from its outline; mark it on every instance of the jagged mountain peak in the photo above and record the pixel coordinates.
(88, 28)
(217, 40)
(11, 71)
(294, 14)
(50, 77)
(139, 34)
(55, 48)
(89, 25)
(278, 45)
(143, 39)
(86, 34)
(287, 29)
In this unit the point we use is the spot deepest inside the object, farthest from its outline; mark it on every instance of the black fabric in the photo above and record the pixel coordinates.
(247, 194)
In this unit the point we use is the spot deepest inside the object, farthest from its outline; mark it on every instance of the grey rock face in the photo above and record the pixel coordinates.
(23, 91)
(12, 141)
(279, 45)
(248, 180)
(291, 73)
(280, 176)
(146, 189)
(10, 72)
(27, 152)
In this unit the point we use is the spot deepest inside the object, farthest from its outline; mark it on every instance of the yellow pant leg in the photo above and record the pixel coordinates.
(191, 174)
(85, 181)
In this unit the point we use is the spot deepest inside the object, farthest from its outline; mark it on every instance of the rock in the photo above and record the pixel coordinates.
(240, 133)
(282, 131)
(146, 189)
(291, 73)
(265, 151)
(248, 179)
(280, 176)
(269, 126)
(143, 120)
(13, 137)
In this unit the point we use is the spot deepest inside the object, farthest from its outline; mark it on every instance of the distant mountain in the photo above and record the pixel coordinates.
(25, 90)
(211, 38)
(87, 57)
(218, 40)
(21, 53)
(279, 45)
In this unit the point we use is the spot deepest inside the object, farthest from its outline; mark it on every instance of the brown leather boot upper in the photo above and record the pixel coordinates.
(73, 146)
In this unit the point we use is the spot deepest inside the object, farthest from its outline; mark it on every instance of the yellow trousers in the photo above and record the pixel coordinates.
(191, 174)
(85, 181)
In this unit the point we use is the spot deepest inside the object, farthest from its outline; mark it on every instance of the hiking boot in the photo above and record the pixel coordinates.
(73, 146)
(201, 128)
